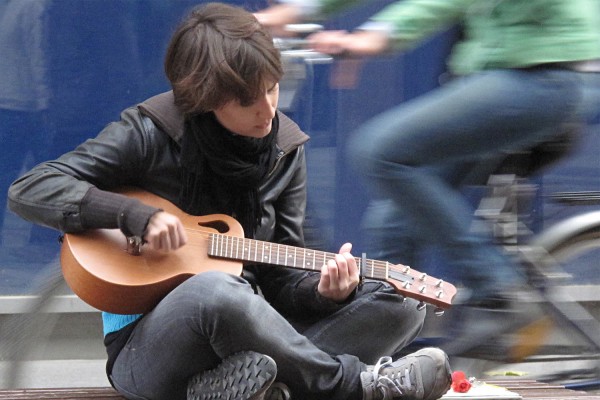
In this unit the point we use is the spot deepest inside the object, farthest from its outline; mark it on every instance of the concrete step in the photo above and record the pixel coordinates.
(53, 374)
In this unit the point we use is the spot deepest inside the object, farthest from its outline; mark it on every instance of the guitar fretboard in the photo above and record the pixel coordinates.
(258, 251)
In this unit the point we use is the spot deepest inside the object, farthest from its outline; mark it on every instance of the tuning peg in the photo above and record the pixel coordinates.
(423, 276)
(421, 305)
(438, 312)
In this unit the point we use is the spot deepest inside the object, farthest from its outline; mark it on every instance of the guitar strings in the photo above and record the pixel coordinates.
(227, 246)
(291, 255)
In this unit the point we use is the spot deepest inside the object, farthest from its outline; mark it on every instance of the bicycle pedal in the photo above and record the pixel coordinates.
(530, 338)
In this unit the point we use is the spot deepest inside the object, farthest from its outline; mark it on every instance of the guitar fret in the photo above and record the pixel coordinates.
(295, 257)
(269, 253)
(218, 245)
(370, 271)
(387, 269)
(245, 249)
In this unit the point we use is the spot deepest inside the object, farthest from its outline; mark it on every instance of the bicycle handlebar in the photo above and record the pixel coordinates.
(296, 47)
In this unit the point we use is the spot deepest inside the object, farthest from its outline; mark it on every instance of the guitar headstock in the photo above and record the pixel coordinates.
(420, 286)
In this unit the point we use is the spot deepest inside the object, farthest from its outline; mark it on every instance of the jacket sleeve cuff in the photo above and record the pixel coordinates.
(108, 210)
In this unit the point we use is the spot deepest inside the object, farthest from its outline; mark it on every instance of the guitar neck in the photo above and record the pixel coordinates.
(251, 250)
(407, 281)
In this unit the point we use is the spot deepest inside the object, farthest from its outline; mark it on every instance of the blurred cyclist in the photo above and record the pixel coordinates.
(523, 69)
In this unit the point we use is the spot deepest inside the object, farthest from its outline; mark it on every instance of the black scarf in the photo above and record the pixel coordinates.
(222, 171)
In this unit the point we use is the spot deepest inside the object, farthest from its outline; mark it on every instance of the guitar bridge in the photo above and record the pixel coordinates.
(134, 245)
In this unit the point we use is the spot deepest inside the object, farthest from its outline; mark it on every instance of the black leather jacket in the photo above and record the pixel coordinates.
(142, 149)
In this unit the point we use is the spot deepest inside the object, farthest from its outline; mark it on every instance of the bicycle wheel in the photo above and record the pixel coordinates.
(578, 256)
(573, 296)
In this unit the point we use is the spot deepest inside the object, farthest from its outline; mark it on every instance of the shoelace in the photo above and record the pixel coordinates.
(394, 386)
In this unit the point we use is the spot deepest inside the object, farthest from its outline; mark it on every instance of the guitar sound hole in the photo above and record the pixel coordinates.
(219, 226)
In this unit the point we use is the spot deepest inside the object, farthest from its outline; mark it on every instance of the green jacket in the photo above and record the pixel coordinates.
(498, 33)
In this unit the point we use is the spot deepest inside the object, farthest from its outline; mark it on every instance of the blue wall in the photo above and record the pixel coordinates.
(76, 64)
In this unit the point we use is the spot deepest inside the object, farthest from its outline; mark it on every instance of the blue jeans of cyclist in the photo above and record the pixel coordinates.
(411, 156)
(213, 315)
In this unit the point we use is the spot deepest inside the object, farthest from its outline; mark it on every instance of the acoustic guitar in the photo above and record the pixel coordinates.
(105, 272)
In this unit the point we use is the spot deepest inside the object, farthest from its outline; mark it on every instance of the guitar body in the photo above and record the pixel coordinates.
(102, 273)
(99, 268)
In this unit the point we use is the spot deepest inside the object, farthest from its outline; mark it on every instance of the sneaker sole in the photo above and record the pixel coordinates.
(242, 376)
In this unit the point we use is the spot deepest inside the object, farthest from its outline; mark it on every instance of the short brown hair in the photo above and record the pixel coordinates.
(220, 53)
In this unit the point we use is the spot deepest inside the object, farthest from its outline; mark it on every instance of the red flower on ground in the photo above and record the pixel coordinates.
(460, 383)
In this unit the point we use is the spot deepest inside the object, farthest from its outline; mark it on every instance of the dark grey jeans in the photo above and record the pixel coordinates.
(213, 315)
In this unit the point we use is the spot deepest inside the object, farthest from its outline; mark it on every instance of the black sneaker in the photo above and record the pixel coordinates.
(242, 376)
(424, 375)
